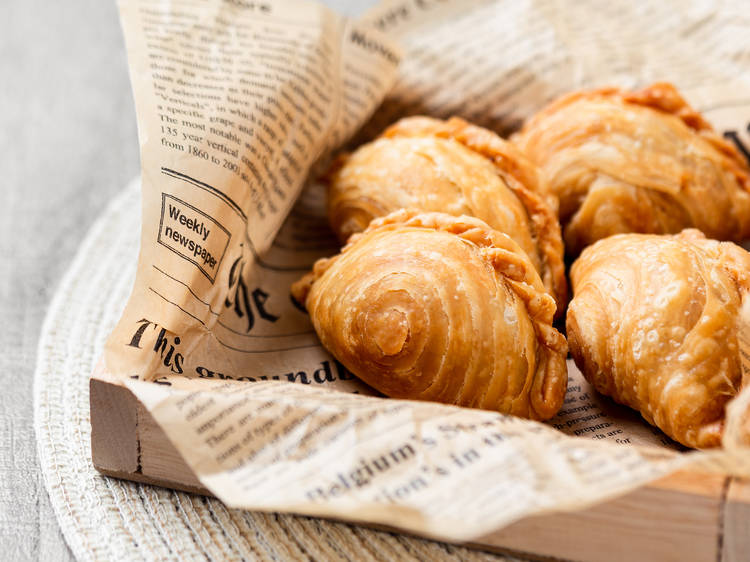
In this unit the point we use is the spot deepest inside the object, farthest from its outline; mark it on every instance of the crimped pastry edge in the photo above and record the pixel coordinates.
(665, 98)
(518, 173)
(506, 258)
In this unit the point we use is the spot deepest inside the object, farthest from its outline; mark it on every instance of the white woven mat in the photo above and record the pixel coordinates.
(109, 519)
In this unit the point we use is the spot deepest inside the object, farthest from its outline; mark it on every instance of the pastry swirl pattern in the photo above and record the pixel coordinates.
(457, 168)
(654, 324)
(642, 162)
(430, 306)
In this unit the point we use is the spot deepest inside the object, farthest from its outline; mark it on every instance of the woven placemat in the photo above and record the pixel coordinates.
(108, 519)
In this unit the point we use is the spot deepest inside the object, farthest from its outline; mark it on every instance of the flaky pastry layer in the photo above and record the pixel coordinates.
(430, 306)
(654, 324)
(642, 162)
(457, 168)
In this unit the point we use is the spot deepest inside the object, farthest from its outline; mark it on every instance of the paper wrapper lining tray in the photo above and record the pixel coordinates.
(235, 103)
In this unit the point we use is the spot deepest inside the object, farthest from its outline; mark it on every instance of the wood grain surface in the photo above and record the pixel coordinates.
(684, 516)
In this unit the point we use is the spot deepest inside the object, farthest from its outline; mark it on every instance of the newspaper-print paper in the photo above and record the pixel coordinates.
(236, 103)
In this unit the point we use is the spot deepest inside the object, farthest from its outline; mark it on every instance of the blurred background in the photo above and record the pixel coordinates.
(68, 145)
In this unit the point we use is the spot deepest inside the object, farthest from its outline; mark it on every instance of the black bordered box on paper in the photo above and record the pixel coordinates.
(192, 234)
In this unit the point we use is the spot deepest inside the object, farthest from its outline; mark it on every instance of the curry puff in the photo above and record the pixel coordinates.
(430, 306)
(457, 168)
(654, 324)
(642, 162)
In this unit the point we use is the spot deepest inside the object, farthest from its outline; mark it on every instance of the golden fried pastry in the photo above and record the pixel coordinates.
(457, 168)
(637, 162)
(653, 323)
(435, 307)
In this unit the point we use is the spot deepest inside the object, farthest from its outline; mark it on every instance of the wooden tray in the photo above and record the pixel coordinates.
(686, 516)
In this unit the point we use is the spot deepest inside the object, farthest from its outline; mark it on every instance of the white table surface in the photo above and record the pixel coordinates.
(67, 145)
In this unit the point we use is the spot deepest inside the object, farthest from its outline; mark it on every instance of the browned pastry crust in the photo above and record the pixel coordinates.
(654, 323)
(454, 167)
(430, 306)
(637, 162)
